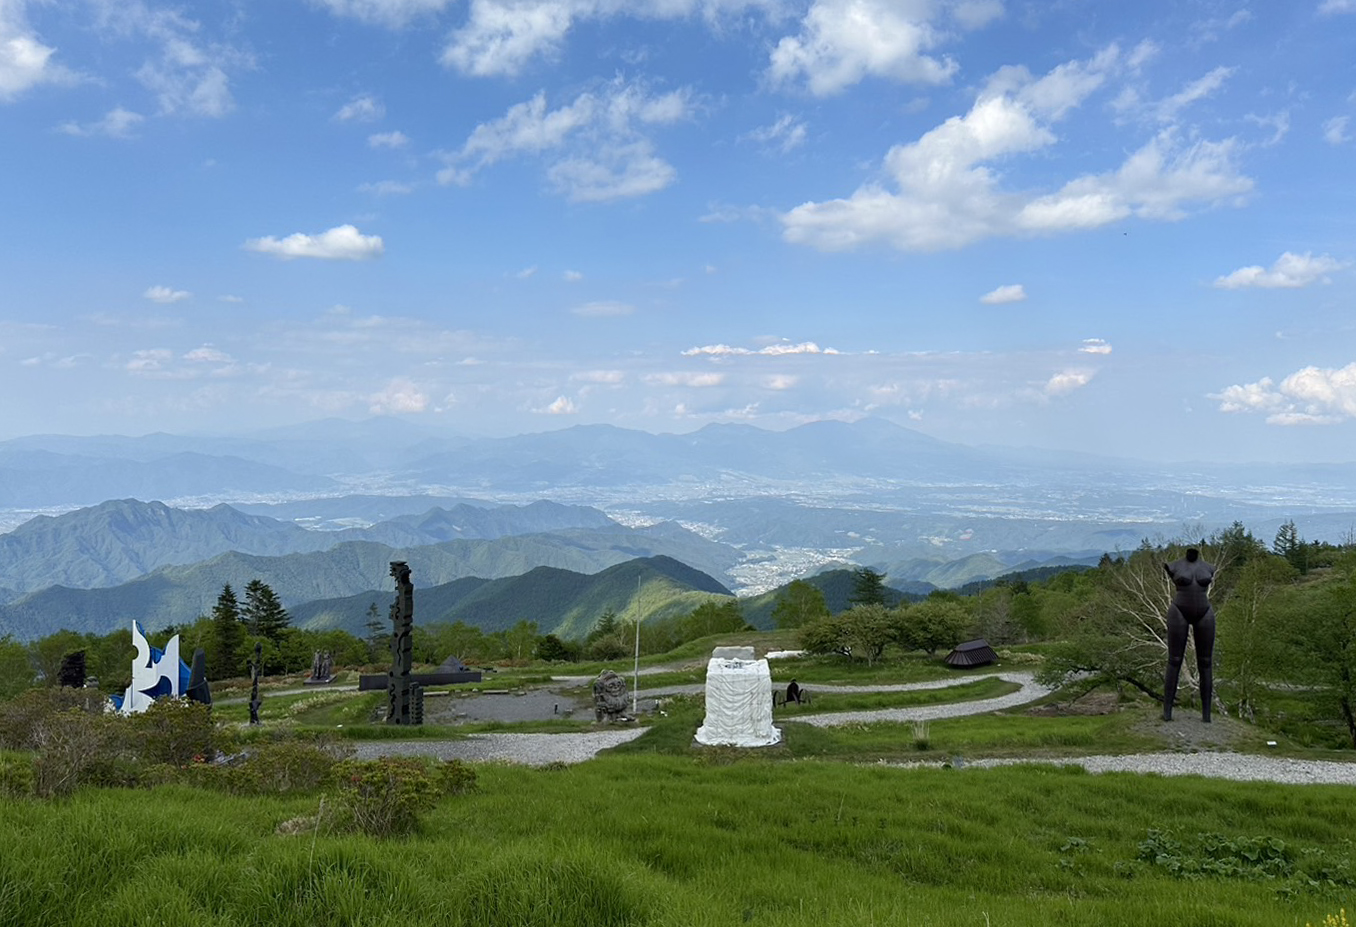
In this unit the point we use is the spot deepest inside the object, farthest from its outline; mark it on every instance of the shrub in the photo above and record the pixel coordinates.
(70, 744)
(16, 775)
(174, 731)
(385, 797)
(21, 717)
(282, 767)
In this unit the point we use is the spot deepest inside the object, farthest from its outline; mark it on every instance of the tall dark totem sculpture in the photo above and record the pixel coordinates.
(400, 698)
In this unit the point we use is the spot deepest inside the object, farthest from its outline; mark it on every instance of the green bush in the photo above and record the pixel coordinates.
(280, 768)
(175, 731)
(69, 745)
(385, 797)
(21, 717)
(16, 775)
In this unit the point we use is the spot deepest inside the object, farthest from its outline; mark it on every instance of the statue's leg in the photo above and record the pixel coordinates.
(1177, 638)
(1205, 652)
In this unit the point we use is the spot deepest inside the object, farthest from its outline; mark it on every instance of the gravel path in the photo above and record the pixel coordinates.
(527, 749)
(1240, 767)
(1030, 691)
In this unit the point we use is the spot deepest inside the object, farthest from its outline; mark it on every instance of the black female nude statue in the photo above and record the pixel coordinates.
(1190, 608)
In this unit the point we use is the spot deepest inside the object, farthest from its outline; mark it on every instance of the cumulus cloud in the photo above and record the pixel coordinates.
(941, 191)
(976, 14)
(595, 147)
(604, 309)
(1095, 346)
(562, 405)
(1333, 7)
(779, 349)
(341, 243)
(365, 108)
(388, 140)
(501, 37)
(1010, 293)
(1067, 381)
(780, 381)
(1310, 396)
(1291, 271)
(1335, 130)
(685, 378)
(166, 295)
(149, 361)
(208, 355)
(392, 13)
(572, 276)
(24, 61)
(842, 42)
(117, 123)
(398, 397)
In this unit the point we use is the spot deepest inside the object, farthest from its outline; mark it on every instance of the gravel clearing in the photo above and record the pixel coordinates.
(527, 749)
(1030, 691)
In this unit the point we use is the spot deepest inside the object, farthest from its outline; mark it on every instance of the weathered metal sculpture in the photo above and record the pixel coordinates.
(1190, 611)
(198, 689)
(400, 698)
(609, 697)
(155, 673)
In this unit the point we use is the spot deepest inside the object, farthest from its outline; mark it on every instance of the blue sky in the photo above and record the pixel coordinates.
(1121, 228)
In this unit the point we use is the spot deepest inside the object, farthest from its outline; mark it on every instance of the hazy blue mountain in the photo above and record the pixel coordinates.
(30, 479)
(562, 602)
(175, 594)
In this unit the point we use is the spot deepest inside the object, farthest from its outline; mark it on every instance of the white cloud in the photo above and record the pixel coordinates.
(572, 276)
(386, 188)
(341, 243)
(208, 355)
(1095, 346)
(780, 381)
(1331, 7)
(946, 194)
(500, 37)
(562, 405)
(1009, 293)
(24, 61)
(603, 309)
(228, 298)
(365, 108)
(841, 42)
(117, 123)
(779, 349)
(1168, 109)
(388, 140)
(165, 295)
(398, 397)
(149, 361)
(1310, 396)
(1335, 130)
(526, 272)
(393, 13)
(698, 380)
(604, 377)
(976, 14)
(1067, 381)
(595, 146)
(1291, 271)
(786, 134)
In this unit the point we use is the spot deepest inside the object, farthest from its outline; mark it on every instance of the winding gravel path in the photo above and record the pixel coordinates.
(543, 749)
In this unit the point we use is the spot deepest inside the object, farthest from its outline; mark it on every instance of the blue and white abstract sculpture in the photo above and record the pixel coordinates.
(155, 674)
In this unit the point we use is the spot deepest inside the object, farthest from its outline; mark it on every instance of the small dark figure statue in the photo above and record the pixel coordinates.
(793, 693)
(1190, 609)
(255, 701)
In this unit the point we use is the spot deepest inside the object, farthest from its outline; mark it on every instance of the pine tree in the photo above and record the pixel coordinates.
(263, 612)
(868, 587)
(378, 637)
(1291, 546)
(228, 633)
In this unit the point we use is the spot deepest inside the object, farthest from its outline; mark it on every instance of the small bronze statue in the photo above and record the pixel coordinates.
(1190, 609)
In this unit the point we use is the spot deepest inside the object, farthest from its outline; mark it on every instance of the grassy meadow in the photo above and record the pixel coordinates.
(715, 838)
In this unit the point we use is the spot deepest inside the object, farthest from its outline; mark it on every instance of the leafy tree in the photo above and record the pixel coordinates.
(799, 603)
(868, 587)
(554, 650)
(262, 611)
(228, 634)
(1322, 625)
(459, 640)
(823, 636)
(865, 631)
(1247, 650)
(521, 639)
(16, 671)
(48, 652)
(931, 625)
(712, 617)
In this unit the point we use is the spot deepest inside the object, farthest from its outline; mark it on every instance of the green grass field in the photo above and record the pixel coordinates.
(693, 840)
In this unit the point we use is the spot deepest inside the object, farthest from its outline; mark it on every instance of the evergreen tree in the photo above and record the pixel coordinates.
(262, 612)
(228, 633)
(1291, 546)
(378, 638)
(868, 587)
